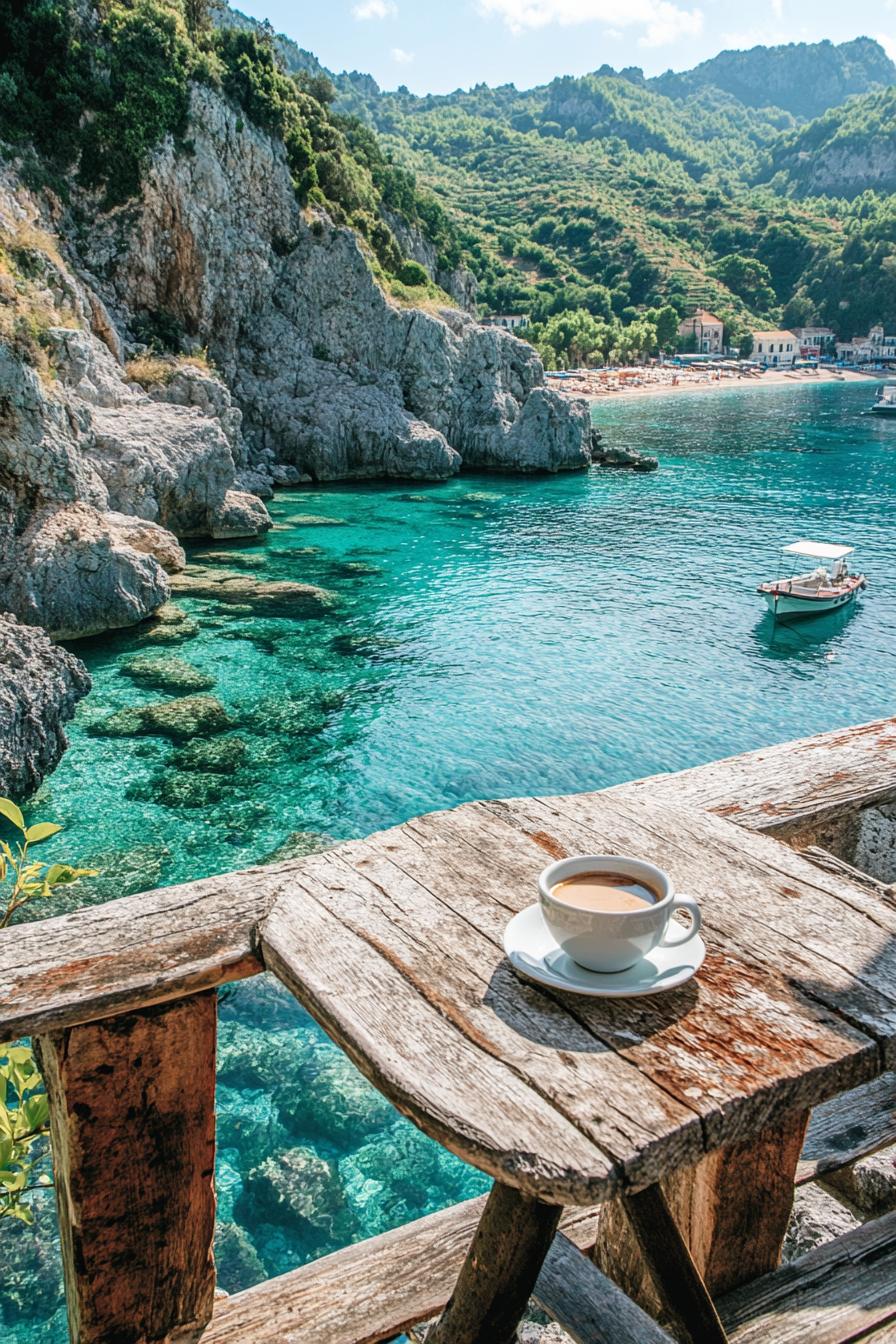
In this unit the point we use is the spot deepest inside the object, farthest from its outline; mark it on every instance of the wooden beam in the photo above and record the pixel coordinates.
(677, 1280)
(843, 1291)
(128, 954)
(371, 1291)
(499, 1273)
(731, 1210)
(801, 789)
(588, 1306)
(132, 1113)
(848, 1127)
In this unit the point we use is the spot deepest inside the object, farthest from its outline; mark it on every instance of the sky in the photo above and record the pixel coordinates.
(435, 46)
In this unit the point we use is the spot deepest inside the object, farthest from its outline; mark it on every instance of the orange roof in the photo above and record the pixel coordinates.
(773, 336)
(706, 316)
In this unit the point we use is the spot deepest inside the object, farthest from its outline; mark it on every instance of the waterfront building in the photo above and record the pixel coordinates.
(509, 321)
(814, 341)
(875, 348)
(775, 349)
(704, 331)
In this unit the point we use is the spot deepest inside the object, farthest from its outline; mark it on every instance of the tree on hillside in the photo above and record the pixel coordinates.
(748, 278)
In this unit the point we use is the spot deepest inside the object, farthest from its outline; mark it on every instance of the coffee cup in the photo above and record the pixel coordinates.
(582, 918)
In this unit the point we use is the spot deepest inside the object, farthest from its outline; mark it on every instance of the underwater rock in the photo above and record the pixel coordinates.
(228, 1182)
(173, 789)
(222, 755)
(353, 569)
(298, 1186)
(292, 715)
(192, 716)
(410, 499)
(239, 559)
(312, 520)
(120, 872)
(299, 845)
(169, 625)
(167, 674)
(237, 1263)
(334, 1103)
(31, 1281)
(264, 999)
(247, 1121)
(284, 596)
(250, 1056)
(40, 685)
(621, 457)
(391, 1179)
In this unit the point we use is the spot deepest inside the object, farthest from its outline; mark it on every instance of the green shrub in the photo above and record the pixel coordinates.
(412, 273)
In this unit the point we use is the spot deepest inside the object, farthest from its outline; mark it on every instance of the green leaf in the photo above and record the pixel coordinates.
(5, 1150)
(12, 813)
(42, 831)
(37, 1111)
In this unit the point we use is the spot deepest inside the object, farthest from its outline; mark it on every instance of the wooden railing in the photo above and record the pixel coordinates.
(120, 1000)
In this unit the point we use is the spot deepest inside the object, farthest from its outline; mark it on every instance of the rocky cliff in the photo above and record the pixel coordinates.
(332, 377)
(40, 685)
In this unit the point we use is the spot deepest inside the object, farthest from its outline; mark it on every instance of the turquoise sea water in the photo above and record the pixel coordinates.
(490, 636)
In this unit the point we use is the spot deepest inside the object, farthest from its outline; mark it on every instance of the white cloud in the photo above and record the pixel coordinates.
(375, 9)
(888, 40)
(778, 8)
(661, 20)
(401, 56)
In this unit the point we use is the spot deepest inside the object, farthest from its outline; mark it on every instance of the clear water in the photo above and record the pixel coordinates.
(492, 636)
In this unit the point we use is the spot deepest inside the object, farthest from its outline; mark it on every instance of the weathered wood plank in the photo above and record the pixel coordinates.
(732, 1210)
(822, 858)
(134, 952)
(830, 941)
(132, 1109)
(840, 1292)
(589, 1307)
(455, 1089)
(371, 1291)
(741, 1043)
(671, 1265)
(848, 1127)
(462, 972)
(498, 1275)
(802, 789)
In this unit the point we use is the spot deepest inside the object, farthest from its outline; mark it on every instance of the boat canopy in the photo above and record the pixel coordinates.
(818, 550)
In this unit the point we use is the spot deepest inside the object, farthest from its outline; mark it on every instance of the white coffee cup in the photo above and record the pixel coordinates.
(607, 941)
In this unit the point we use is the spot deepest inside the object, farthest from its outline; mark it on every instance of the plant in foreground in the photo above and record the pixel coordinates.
(24, 1109)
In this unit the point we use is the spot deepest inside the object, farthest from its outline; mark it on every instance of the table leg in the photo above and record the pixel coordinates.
(731, 1210)
(504, 1260)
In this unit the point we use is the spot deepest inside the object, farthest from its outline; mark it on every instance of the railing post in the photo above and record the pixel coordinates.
(132, 1115)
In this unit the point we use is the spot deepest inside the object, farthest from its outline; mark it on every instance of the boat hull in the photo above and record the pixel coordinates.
(784, 605)
(885, 410)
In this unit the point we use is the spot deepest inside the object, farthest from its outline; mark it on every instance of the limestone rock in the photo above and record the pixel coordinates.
(167, 674)
(239, 515)
(40, 685)
(75, 577)
(817, 1218)
(295, 599)
(149, 538)
(869, 1184)
(301, 1188)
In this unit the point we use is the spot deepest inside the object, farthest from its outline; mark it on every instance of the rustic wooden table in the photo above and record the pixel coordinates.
(686, 1111)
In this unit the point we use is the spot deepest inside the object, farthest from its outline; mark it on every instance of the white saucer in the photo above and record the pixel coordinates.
(533, 952)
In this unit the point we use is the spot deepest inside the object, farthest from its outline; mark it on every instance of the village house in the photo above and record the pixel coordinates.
(875, 348)
(814, 341)
(704, 332)
(775, 349)
(509, 321)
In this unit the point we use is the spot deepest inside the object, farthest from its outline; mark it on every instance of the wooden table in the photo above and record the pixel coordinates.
(686, 1110)
(682, 1115)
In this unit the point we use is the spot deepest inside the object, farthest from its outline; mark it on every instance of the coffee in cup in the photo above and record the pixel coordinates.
(607, 911)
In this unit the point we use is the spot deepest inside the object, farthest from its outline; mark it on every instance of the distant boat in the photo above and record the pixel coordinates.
(886, 401)
(818, 590)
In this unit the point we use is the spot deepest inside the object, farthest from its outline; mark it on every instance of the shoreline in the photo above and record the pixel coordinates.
(599, 385)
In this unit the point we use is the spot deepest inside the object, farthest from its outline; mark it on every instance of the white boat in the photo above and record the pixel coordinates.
(886, 401)
(827, 587)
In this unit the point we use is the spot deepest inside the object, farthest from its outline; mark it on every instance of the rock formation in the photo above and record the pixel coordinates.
(334, 379)
(40, 685)
(98, 478)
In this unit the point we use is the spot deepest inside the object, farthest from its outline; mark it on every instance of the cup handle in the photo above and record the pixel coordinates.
(681, 933)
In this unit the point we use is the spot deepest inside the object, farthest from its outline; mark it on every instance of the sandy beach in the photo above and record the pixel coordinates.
(637, 381)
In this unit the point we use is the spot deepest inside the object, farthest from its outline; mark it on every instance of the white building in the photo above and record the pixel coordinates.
(509, 321)
(705, 330)
(814, 341)
(875, 348)
(775, 349)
